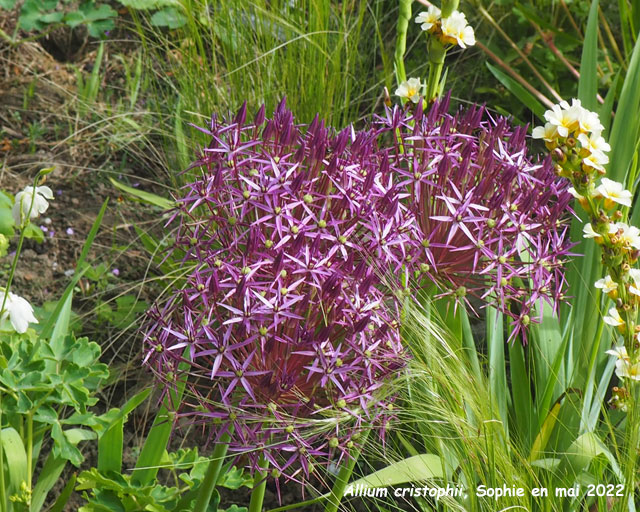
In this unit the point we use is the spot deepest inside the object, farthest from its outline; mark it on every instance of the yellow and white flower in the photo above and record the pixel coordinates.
(606, 284)
(455, 27)
(634, 283)
(624, 368)
(613, 318)
(613, 192)
(428, 18)
(563, 117)
(594, 144)
(410, 89)
(548, 132)
(589, 121)
(589, 232)
(627, 235)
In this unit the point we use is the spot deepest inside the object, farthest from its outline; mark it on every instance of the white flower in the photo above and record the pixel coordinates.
(624, 368)
(428, 18)
(548, 132)
(410, 89)
(588, 231)
(589, 121)
(17, 311)
(614, 191)
(619, 352)
(606, 284)
(628, 235)
(634, 284)
(23, 203)
(456, 27)
(595, 143)
(613, 318)
(596, 160)
(574, 193)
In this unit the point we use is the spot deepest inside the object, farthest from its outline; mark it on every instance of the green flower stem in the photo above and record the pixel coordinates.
(300, 504)
(632, 435)
(437, 54)
(213, 471)
(404, 15)
(343, 477)
(259, 486)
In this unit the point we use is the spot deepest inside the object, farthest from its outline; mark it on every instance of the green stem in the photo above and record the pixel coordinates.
(213, 471)
(339, 486)
(404, 15)
(259, 486)
(300, 504)
(632, 432)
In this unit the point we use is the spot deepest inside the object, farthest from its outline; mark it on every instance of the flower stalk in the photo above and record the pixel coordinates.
(213, 472)
(344, 475)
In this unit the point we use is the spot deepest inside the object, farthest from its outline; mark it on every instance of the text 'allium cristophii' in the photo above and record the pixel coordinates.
(288, 335)
(490, 220)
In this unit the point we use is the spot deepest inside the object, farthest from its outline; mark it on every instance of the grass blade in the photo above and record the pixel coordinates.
(588, 83)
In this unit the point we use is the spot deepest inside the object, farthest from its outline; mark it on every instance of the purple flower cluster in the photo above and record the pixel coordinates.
(286, 233)
(490, 221)
(293, 241)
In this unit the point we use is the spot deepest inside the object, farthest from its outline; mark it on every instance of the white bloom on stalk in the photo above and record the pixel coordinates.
(606, 284)
(574, 193)
(410, 89)
(17, 311)
(596, 161)
(548, 132)
(613, 318)
(23, 203)
(456, 27)
(624, 368)
(563, 117)
(627, 235)
(634, 284)
(614, 191)
(595, 144)
(589, 232)
(428, 18)
(589, 121)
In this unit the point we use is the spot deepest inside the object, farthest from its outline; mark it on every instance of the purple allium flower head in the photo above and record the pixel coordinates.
(284, 233)
(490, 219)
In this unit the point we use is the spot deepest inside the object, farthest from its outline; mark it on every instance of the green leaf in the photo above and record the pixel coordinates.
(16, 458)
(7, 4)
(497, 368)
(146, 197)
(7, 225)
(110, 443)
(588, 83)
(414, 469)
(61, 502)
(169, 17)
(34, 232)
(149, 4)
(582, 451)
(49, 476)
(519, 92)
(624, 132)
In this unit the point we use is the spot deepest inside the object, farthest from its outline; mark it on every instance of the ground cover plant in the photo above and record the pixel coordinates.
(317, 255)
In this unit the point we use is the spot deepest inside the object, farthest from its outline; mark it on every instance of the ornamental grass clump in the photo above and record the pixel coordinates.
(490, 219)
(284, 234)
